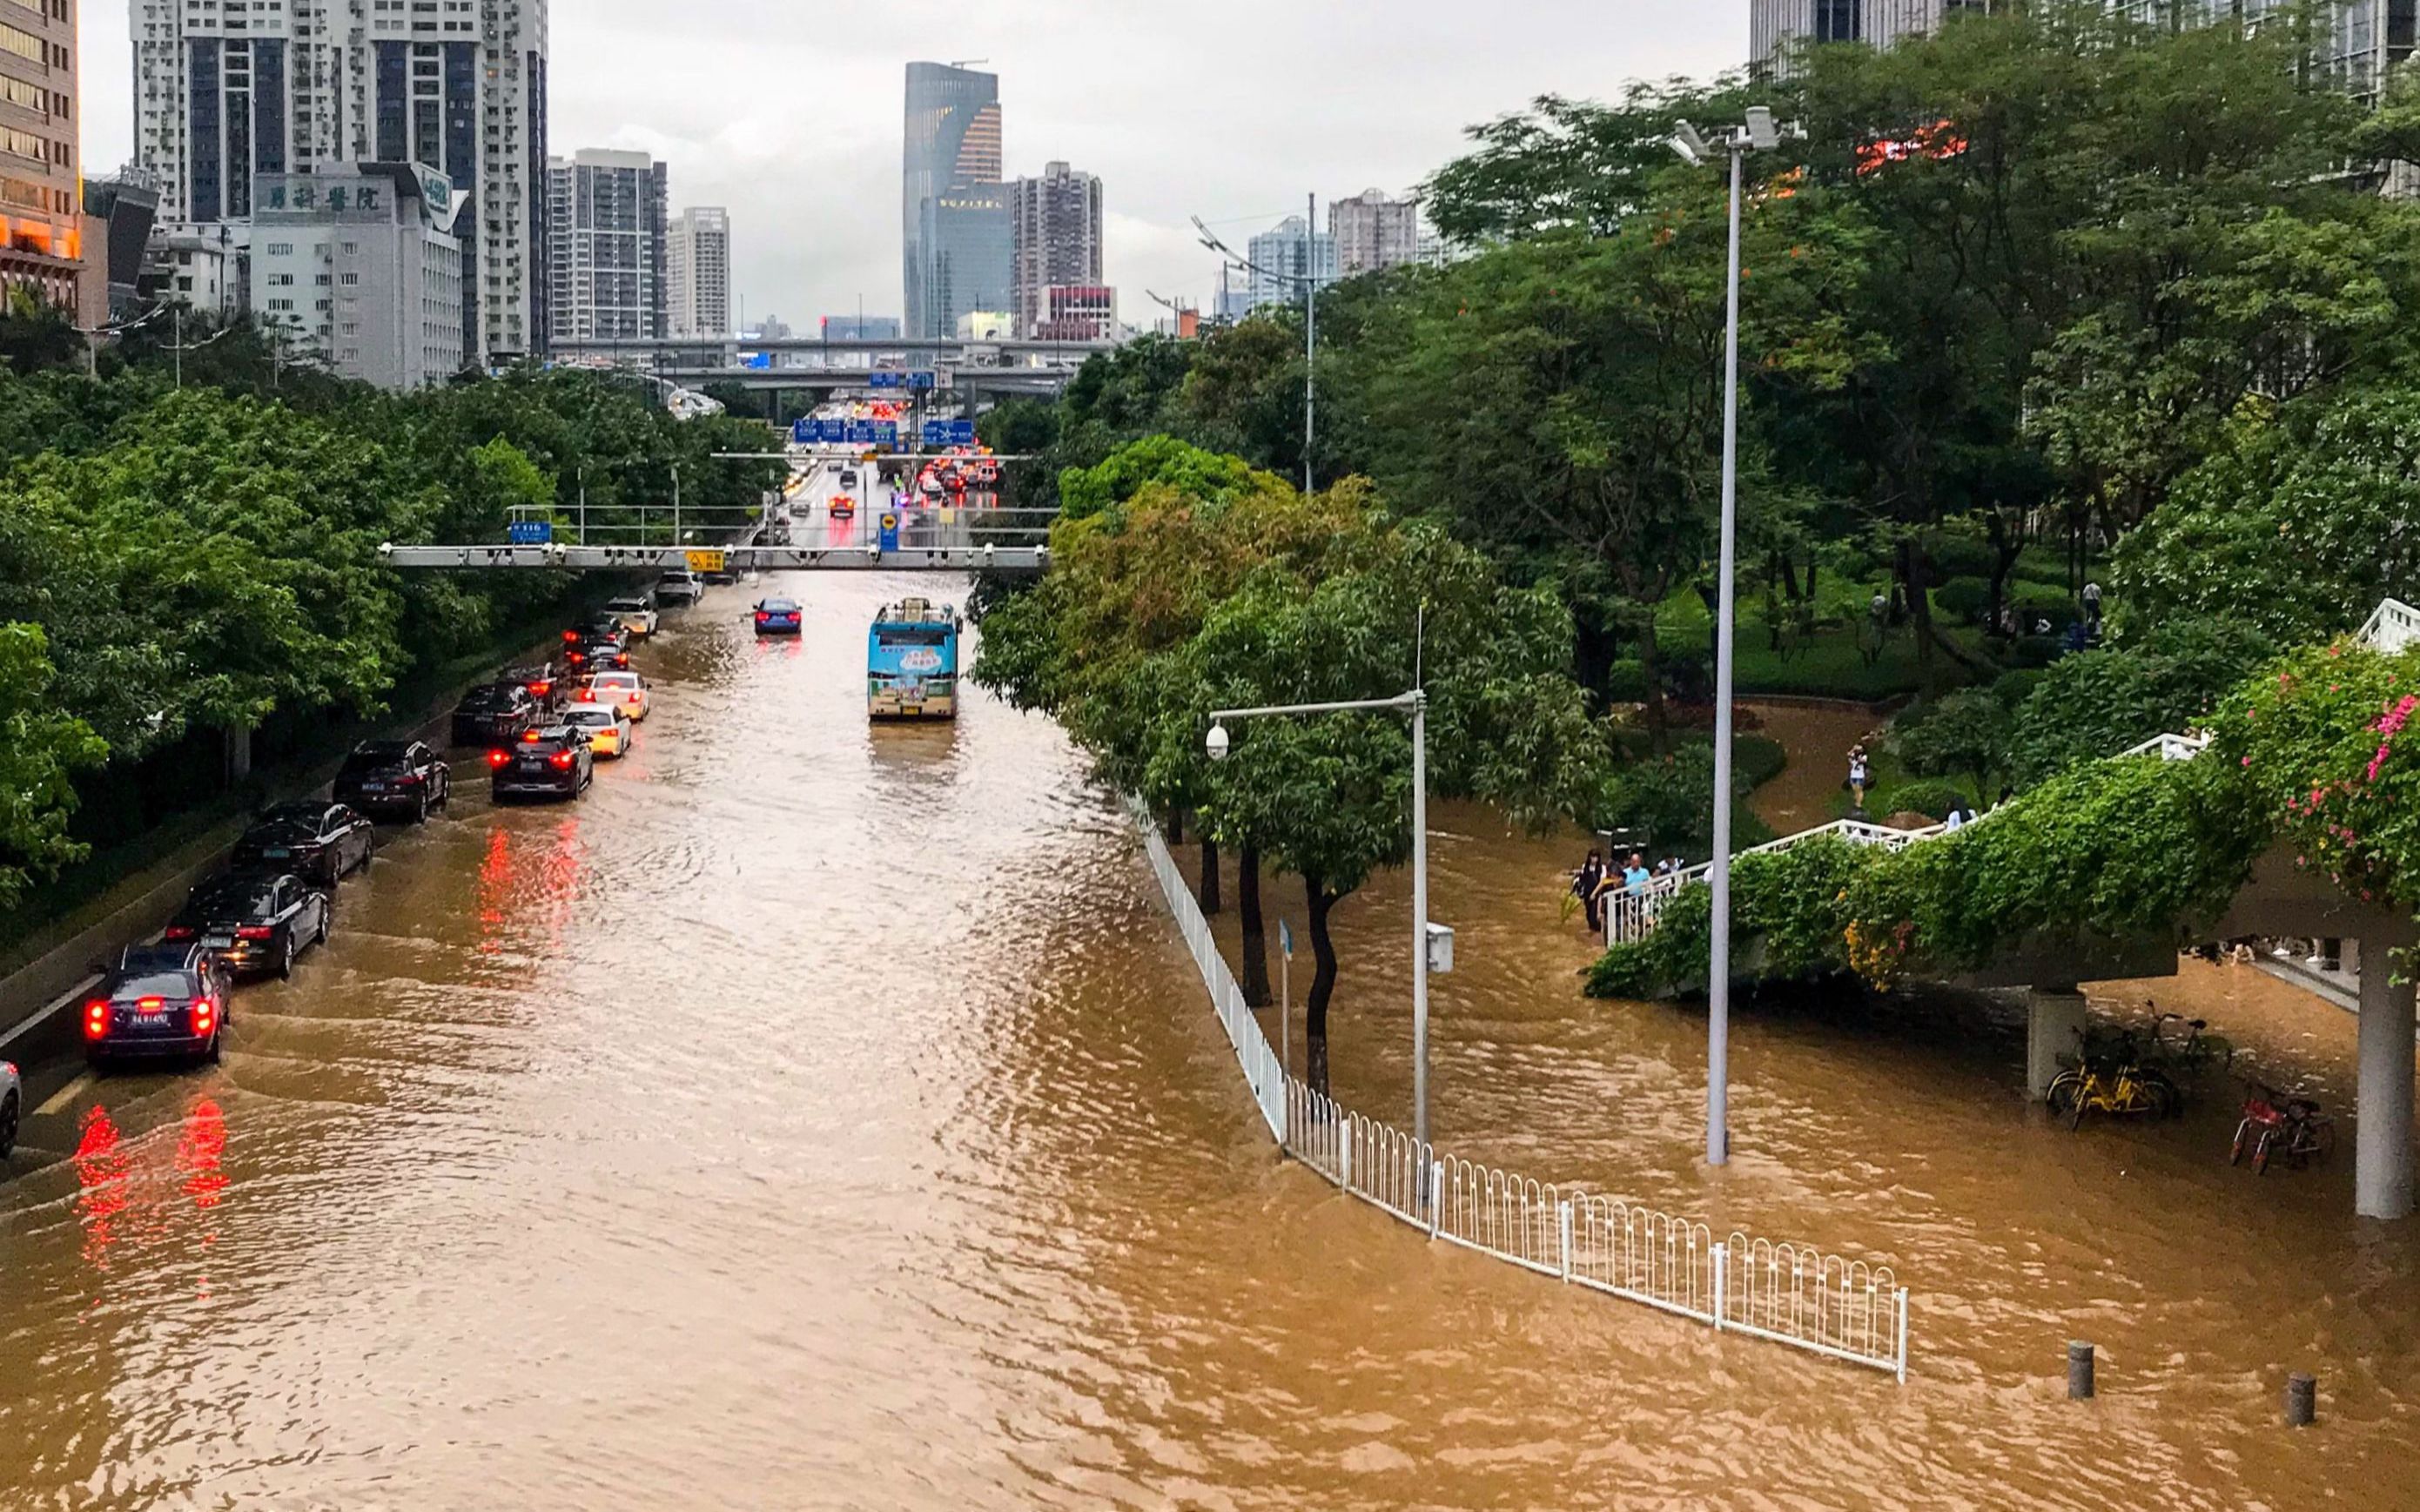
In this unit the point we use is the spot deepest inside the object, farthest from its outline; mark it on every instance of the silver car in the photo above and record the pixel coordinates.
(12, 1100)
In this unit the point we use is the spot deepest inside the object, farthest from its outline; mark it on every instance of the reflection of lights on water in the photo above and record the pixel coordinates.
(509, 884)
(199, 1151)
(100, 1166)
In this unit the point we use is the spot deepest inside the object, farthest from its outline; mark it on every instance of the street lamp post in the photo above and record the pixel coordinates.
(1309, 279)
(1760, 134)
(1414, 703)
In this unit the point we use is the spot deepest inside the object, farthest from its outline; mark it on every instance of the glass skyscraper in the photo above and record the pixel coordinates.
(959, 239)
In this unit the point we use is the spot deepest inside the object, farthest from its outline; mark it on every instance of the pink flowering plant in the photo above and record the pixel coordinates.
(2327, 743)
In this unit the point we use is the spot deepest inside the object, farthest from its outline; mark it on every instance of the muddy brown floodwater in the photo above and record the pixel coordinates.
(818, 1117)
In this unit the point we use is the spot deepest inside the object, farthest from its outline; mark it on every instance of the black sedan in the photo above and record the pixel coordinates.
(543, 680)
(397, 777)
(256, 925)
(318, 840)
(552, 762)
(159, 1001)
(598, 654)
(494, 712)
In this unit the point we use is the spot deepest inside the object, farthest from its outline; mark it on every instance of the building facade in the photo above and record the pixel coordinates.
(1077, 312)
(958, 242)
(697, 267)
(859, 328)
(228, 94)
(609, 279)
(1373, 231)
(42, 197)
(360, 267)
(1775, 24)
(1057, 218)
(1285, 257)
(207, 268)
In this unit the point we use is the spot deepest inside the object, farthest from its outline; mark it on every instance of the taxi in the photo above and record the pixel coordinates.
(626, 691)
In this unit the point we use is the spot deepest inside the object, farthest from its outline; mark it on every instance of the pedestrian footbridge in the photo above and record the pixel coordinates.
(2278, 899)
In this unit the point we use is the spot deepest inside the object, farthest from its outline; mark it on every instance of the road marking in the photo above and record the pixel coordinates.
(60, 1098)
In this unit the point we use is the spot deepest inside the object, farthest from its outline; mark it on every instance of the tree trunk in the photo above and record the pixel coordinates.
(1650, 662)
(1207, 892)
(1175, 825)
(1323, 984)
(1594, 649)
(1912, 578)
(1710, 595)
(2006, 547)
(1256, 941)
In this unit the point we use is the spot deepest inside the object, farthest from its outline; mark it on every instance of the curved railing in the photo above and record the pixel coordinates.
(1844, 1309)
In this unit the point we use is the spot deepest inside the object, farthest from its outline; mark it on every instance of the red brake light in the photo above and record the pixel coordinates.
(632, 698)
(498, 758)
(562, 761)
(570, 637)
(540, 690)
(204, 1015)
(530, 737)
(762, 616)
(587, 695)
(96, 1018)
(177, 931)
(150, 1005)
(254, 932)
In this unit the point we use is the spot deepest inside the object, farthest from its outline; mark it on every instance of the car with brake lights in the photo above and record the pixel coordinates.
(543, 679)
(842, 507)
(550, 763)
(609, 730)
(159, 1002)
(254, 925)
(494, 712)
(311, 839)
(779, 616)
(598, 652)
(404, 778)
(627, 691)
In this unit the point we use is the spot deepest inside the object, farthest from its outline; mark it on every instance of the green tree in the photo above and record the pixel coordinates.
(40, 749)
(1965, 731)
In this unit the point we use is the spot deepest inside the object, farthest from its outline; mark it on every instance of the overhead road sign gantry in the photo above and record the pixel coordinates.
(559, 557)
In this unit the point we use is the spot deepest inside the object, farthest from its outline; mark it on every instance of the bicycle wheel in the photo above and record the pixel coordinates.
(2242, 1145)
(2260, 1152)
(2166, 1098)
(2065, 1090)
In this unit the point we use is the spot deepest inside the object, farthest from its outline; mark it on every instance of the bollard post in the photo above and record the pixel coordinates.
(1720, 1256)
(2301, 1400)
(1344, 1159)
(1437, 1194)
(2079, 1370)
(1563, 1222)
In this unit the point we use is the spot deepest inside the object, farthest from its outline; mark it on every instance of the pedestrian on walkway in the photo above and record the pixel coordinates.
(2093, 606)
(1587, 883)
(1635, 876)
(1859, 774)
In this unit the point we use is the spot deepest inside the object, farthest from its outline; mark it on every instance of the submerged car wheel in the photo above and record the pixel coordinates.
(8, 1126)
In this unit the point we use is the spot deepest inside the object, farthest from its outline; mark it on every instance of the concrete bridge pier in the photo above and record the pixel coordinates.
(2054, 1016)
(2381, 1182)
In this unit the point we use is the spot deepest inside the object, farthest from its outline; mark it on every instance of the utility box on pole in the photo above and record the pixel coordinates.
(1440, 949)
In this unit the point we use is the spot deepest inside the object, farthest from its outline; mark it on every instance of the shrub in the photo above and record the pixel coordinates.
(1930, 796)
(1964, 599)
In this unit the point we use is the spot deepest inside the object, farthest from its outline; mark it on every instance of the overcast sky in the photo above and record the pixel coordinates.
(788, 111)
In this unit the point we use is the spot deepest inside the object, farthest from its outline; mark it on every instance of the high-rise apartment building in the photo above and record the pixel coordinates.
(1285, 257)
(1772, 24)
(228, 93)
(958, 246)
(606, 235)
(697, 266)
(361, 268)
(42, 197)
(1372, 231)
(1057, 217)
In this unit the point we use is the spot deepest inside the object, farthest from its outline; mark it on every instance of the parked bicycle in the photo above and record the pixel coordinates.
(2197, 1051)
(2110, 1075)
(2274, 1124)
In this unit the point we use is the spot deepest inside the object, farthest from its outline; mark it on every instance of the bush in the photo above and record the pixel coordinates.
(1930, 796)
(1625, 682)
(1964, 599)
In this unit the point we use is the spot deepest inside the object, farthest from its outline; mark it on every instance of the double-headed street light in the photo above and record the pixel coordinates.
(1414, 703)
(1760, 133)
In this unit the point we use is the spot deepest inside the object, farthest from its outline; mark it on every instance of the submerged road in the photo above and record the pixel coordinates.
(819, 1115)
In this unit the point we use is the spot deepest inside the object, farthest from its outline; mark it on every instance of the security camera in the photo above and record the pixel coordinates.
(1686, 142)
(1762, 134)
(1216, 744)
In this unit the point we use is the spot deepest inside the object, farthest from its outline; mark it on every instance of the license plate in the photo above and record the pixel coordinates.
(277, 854)
(373, 787)
(911, 708)
(218, 942)
(533, 767)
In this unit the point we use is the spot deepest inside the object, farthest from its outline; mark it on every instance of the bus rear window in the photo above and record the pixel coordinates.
(910, 637)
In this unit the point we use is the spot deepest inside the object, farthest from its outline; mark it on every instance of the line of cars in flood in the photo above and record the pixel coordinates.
(542, 726)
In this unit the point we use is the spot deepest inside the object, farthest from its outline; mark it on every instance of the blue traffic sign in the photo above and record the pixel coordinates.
(920, 380)
(936, 433)
(882, 379)
(962, 433)
(528, 532)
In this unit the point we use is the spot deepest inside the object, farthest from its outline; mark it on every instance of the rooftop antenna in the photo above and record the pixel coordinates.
(967, 63)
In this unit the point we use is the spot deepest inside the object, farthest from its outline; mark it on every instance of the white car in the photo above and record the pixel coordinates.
(606, 726)
(626, 691)
(12, 1108)
(680, 588)
(636, 615)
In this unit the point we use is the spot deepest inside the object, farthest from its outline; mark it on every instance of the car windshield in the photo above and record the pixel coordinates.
(378, 757)
(156, 984)
(627, 605)
(778, 606)
(593, 718)
(531, 675)
(491, 696)
(305, 816)
(233, 899)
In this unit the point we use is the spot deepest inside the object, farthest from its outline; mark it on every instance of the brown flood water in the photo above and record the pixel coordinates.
(818, 1117)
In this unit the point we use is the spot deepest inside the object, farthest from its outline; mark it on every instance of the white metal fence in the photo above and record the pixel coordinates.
(1845, 1309)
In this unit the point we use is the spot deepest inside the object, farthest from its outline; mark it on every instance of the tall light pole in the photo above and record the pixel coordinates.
(1309, 278)
(1760, 134)
(1414, 703)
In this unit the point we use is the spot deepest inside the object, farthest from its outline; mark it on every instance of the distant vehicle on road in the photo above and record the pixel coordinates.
(395, 777)
(318, 840)
(777, 617)
(723, 576)
(607, 729)
(598, 652)
(494, 712)
(680, 588)
(552, 762)
(543, 679)
(848, 480)
(912, 661)
(12, 1106)
(843, 507)
(254, 925)
(627, 691)
(160, 1001)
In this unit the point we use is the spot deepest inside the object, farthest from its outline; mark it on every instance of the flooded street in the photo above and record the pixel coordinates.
(825, 1117)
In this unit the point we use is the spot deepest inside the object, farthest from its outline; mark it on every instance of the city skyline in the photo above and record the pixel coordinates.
(813, 173)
